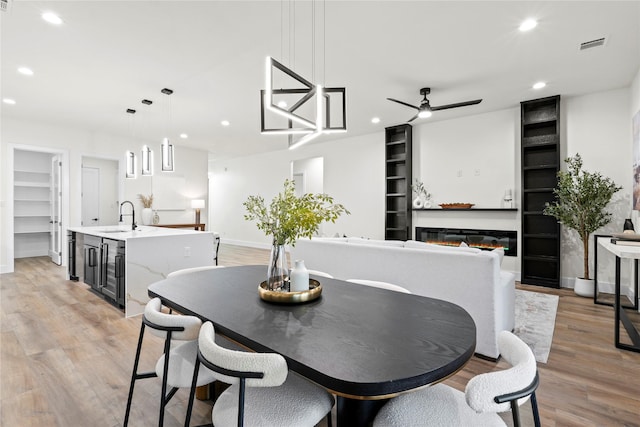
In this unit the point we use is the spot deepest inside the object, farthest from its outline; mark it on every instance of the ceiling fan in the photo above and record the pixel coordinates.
(425, 109)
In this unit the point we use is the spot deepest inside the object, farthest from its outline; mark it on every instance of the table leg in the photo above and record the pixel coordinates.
(357, 413)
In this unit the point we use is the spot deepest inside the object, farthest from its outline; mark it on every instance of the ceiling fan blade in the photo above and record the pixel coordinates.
(404, 103)
(412, 118)
(459, 104)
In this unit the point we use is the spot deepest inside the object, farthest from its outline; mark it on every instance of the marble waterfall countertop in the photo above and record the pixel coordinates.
(124, 232)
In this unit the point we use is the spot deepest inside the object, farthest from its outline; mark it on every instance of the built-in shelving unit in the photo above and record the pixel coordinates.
(540, 162)
(31, 203)
(398, 183)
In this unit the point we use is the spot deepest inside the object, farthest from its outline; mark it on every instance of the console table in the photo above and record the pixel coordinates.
(194, 226)
(620, 315)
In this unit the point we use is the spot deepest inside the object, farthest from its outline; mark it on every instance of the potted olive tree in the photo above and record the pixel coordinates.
(581, 200)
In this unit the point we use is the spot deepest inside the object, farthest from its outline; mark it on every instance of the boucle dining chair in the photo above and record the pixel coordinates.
(320, 273)
(263, 391)
(175, 367)
(485, 395)
(382, 285)
(192, 270)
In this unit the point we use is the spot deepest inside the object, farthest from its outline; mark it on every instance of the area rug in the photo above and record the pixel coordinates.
(535, 321)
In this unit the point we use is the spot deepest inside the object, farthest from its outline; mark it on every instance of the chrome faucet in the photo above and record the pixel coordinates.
(133, 214)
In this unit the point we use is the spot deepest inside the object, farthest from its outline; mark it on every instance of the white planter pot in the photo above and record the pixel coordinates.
(583, 287)
(147, 216)
(418, 203)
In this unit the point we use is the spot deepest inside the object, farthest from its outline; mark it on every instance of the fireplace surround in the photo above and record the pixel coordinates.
(474, 238)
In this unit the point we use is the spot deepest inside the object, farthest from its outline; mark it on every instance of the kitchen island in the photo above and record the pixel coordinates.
(119, 263)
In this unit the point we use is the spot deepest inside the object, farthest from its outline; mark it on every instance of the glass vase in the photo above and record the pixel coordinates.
(277, 272)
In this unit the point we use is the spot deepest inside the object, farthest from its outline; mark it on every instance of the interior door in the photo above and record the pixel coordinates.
(90, 196)
(55, 220)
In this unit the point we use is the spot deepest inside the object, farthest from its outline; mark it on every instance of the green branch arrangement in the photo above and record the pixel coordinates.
(581, 200)
(290, 217)
(420, 189)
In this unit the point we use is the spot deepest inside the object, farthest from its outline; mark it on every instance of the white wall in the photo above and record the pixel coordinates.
(192, 164)
(353, 176)
(598, 126)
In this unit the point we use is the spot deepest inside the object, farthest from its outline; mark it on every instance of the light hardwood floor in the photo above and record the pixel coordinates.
(66, 358)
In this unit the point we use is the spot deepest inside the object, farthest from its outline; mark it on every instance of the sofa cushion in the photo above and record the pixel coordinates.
(500, 252)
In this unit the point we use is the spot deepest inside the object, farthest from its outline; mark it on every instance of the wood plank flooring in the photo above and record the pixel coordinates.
(66, 358)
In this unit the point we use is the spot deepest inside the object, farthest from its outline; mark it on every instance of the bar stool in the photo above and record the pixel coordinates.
(175, 367)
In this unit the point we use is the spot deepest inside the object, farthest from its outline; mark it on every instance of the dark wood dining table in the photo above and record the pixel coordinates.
(363, 344)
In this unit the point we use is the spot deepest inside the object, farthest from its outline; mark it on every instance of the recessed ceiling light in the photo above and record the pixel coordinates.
(375, 120)
(528, 24)
(9, 101)
(225, 123)
(539, 85)
(184, 136)
(26, 71)
(52, 18)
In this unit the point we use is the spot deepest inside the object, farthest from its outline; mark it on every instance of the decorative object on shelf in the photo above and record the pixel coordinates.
(299, 277)
(508, 199)
(456, 205)
(167, 147)
(422, 194)
(418, 203)
(147, 212)
(287, 218)
(197, 204)
(156, 218)
(581, 200)
(628, 227)
(283, 297)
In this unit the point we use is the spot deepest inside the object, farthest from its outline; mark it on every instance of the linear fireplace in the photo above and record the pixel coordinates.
(481, 239)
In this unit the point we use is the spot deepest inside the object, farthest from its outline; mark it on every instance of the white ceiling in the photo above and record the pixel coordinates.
(109, 55)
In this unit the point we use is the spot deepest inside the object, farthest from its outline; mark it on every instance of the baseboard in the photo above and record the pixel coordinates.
(5, 269)
(606, 287)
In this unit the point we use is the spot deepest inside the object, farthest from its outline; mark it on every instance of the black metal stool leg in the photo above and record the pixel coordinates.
(134, 375)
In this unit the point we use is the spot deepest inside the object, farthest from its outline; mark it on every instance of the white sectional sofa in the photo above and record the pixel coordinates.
(468, 277)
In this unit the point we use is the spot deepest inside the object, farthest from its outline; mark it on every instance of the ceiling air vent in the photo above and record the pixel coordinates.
(592, 43)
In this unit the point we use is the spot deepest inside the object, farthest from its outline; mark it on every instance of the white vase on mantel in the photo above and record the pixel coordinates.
(584, 287)
(147, 216)
(418, 203)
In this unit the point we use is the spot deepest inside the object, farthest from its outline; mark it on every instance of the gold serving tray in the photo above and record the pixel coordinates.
(283, 297)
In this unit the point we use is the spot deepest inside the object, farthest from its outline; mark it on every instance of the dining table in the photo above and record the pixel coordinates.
(363, 344)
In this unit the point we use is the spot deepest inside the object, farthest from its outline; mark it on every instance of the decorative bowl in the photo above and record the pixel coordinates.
(456, 205)
(284, 297)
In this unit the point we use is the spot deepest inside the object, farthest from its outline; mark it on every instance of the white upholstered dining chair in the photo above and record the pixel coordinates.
(485, 395)
(176, 365)
(263, 391)
(192, 270)
(382, 285)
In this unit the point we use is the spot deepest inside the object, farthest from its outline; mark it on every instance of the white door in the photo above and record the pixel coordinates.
(55, 221)
(90, 196)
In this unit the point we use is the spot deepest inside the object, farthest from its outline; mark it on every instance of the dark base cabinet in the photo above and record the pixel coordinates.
(540, 160)
(103, 266)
